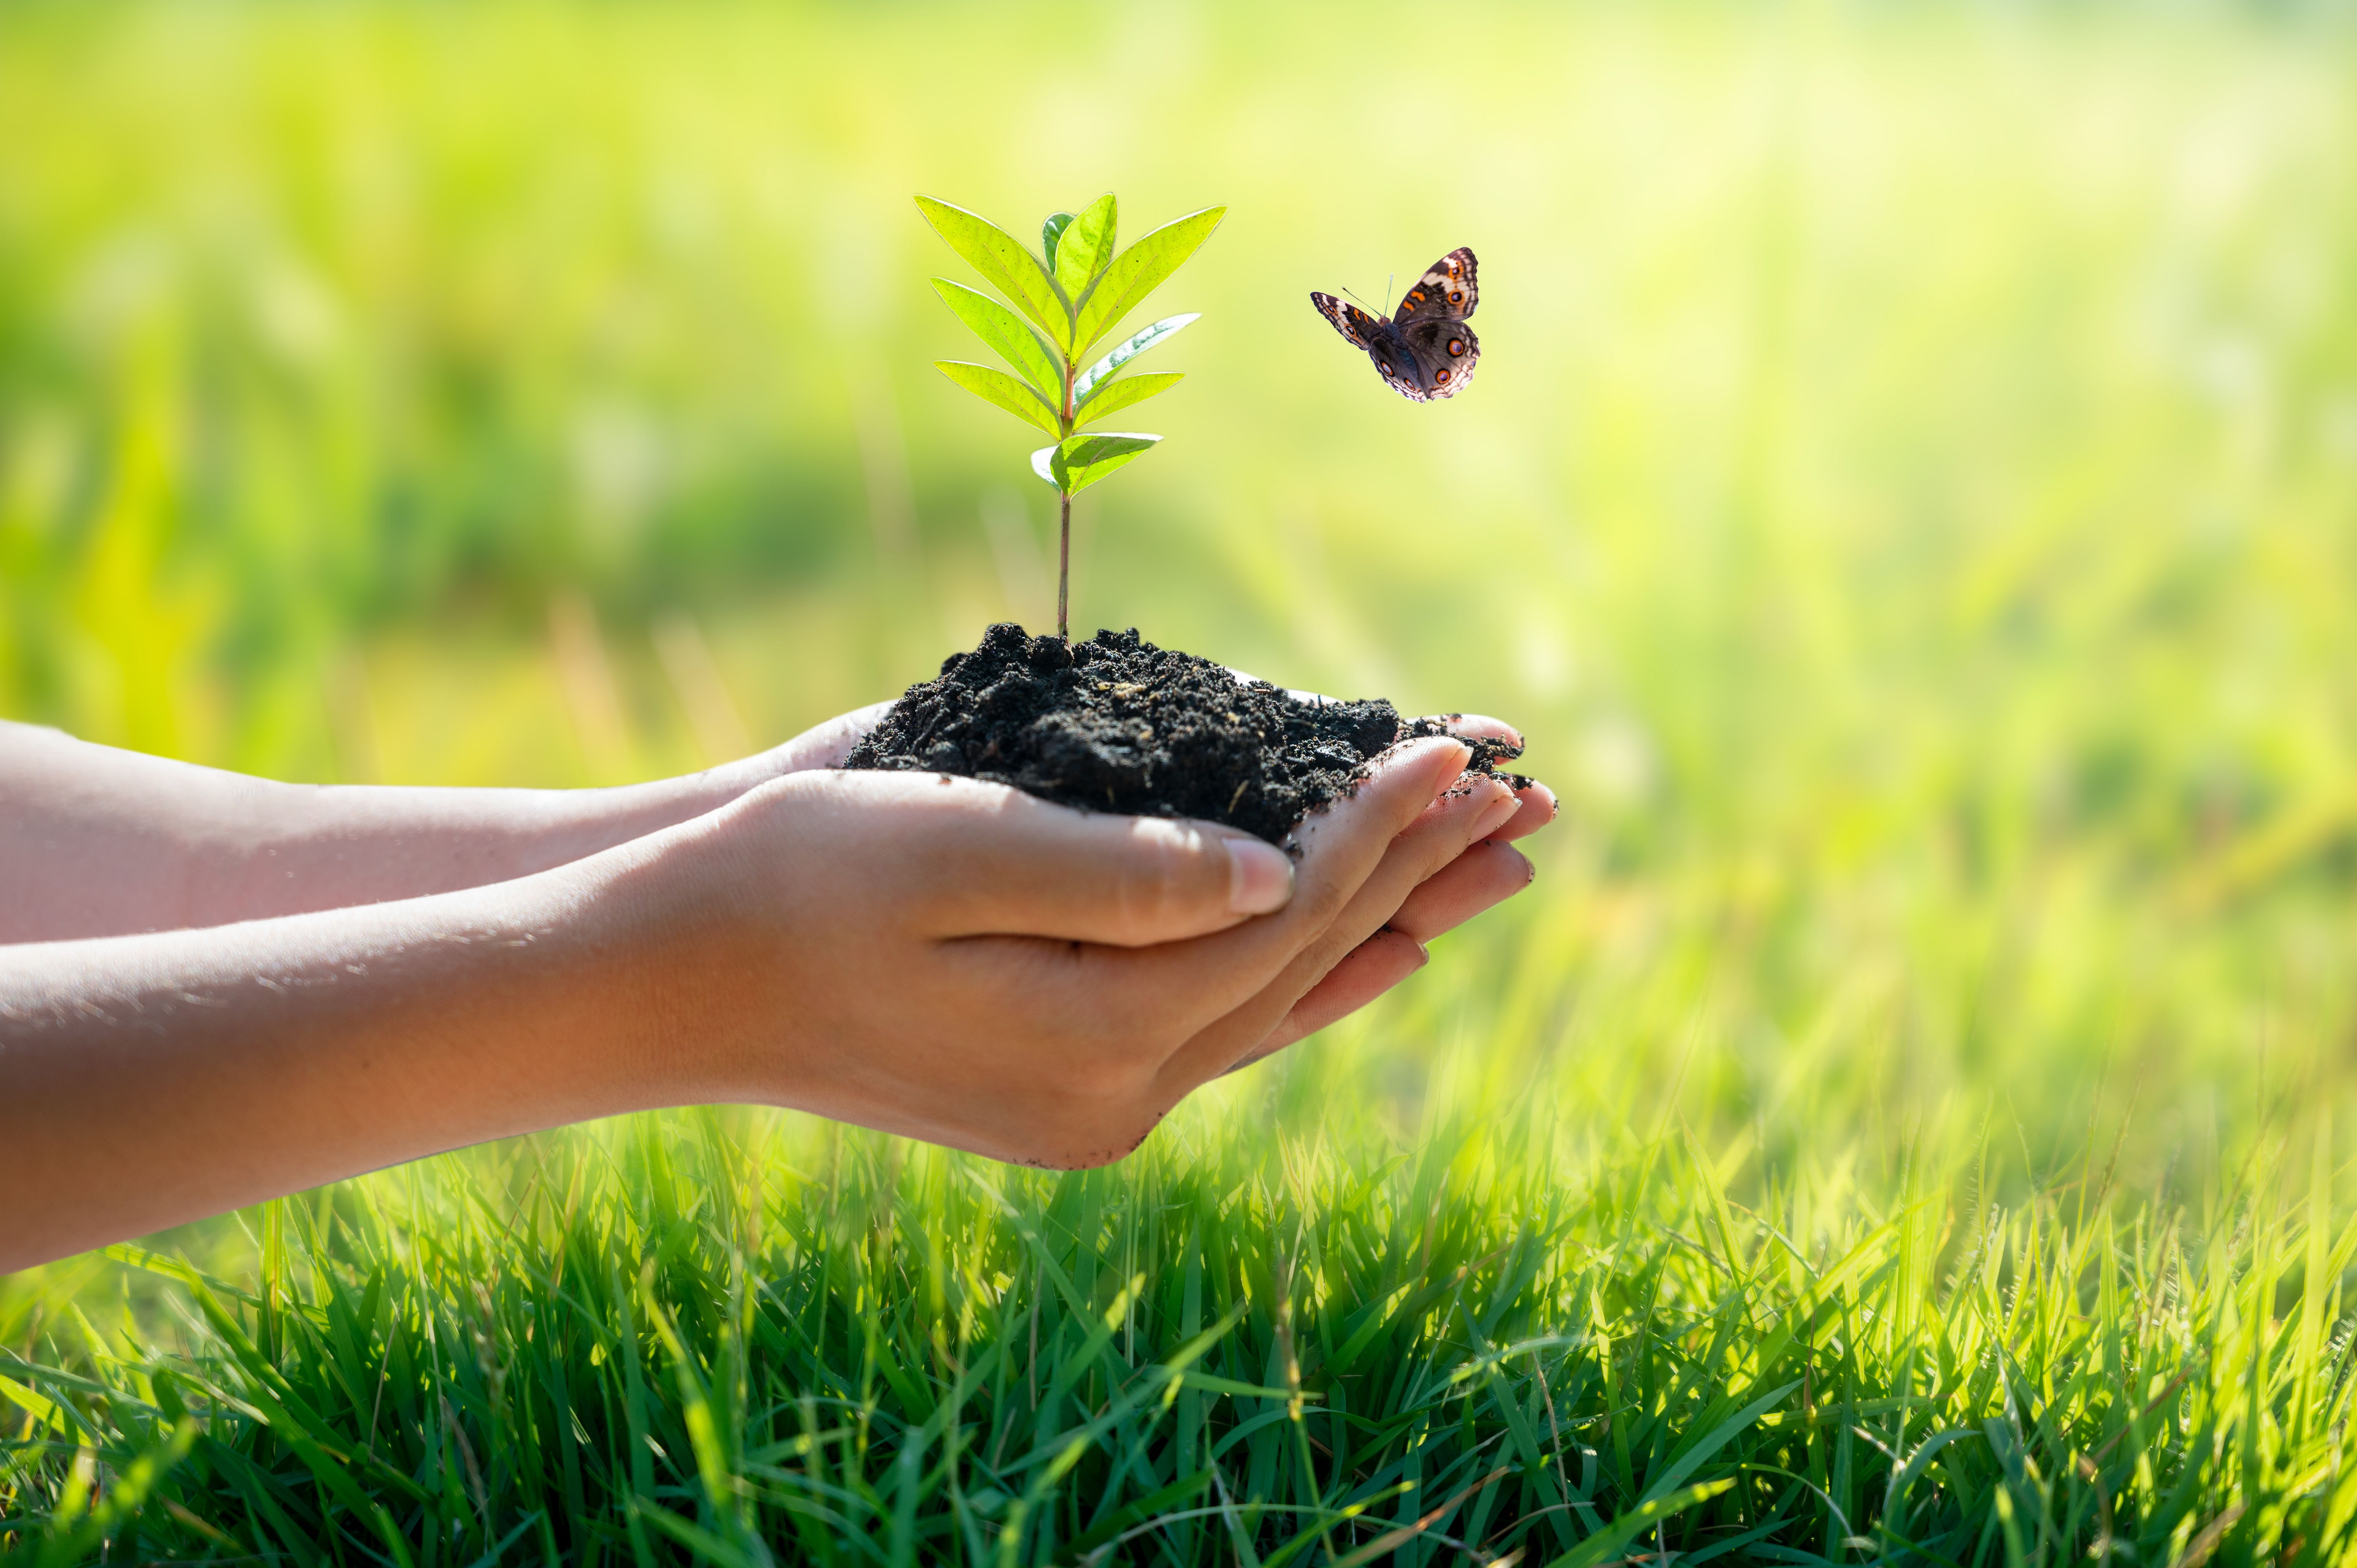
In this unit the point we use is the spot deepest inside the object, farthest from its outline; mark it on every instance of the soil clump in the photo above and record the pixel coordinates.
(1117, 725)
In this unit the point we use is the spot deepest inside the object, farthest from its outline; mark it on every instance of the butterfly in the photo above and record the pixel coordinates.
(1425, 350)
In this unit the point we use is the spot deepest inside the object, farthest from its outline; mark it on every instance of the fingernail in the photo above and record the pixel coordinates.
(1449, 746)
(1260, 877)
(1497, 816)
(1422, 953)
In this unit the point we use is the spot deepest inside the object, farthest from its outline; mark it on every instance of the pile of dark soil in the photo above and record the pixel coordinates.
(1118, 724)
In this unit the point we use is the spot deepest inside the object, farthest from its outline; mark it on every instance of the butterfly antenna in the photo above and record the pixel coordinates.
(1389, 279)
(1354, 294)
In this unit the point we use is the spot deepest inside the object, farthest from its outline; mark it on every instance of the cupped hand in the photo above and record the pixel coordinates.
(1485, 875)
(958, 962)
(423, 969)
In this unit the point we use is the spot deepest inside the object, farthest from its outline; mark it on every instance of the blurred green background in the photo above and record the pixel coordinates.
(1910, 500)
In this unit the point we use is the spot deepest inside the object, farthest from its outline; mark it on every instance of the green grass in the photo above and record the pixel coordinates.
(1908, 503)
(699, 1337)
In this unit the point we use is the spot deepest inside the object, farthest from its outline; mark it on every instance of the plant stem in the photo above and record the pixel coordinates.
(1064, 564)
(1067, 417)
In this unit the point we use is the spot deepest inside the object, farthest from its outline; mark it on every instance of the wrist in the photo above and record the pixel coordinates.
(668, 920)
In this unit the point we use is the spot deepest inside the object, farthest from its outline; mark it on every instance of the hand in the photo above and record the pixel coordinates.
(1486, 874)
(940, 957)
(963, 963)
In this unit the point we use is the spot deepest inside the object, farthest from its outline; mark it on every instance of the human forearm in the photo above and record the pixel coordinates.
(149, 1079)
(940, 957)
(96, 842)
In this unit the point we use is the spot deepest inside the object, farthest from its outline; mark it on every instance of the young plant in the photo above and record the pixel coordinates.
(1072, 298)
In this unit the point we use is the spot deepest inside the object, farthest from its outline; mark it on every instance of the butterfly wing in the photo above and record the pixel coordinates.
(1444, 293)
(1441, 355)
(1424, 351)
(1355, 325)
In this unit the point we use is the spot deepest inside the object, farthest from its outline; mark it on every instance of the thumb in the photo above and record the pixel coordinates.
(1021, 866)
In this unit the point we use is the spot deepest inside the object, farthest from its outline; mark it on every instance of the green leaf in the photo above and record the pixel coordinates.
(1005, 332)
(1138, 270)
(1129, 390)
(1137, 344)
(1182, 1491)
(1606, 1543)
(695, 1537)
(998, 387)
(1085, 247)
(1050, 232)
(1719, 1436)
(1005, 265)
(1075, 463)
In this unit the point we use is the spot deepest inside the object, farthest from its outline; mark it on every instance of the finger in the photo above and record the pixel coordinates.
(1466, 813)
(1338, 847)
(1530, 792)
(1368, 970)
(990, 861)
(1486, 875)
(1185, 986)
(1478, 727)
(1539, 807)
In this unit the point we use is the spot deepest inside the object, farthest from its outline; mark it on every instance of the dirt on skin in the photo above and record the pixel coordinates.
(1117, 725)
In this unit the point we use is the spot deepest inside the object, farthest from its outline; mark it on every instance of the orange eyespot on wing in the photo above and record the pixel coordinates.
(1446, 290)
(1420, 352)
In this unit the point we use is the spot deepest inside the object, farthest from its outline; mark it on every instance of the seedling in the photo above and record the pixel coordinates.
(1073, 294)
(1115, 724)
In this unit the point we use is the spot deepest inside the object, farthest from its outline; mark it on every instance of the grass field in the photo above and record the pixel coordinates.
(1910, 502)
